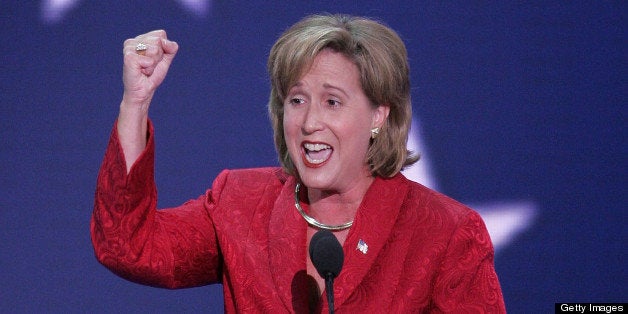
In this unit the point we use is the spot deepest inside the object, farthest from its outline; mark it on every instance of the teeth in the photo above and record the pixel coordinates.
(314, 161)
(316, 153)
(316, 147)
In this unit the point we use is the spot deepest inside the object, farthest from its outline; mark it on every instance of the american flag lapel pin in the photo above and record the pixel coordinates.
(362, 246)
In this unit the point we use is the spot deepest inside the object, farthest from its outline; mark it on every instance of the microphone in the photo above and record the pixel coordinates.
(327, 256)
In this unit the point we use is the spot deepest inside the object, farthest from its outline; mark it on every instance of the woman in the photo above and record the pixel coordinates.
(340, 109)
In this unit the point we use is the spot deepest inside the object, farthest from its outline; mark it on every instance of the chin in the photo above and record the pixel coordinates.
(316, 180)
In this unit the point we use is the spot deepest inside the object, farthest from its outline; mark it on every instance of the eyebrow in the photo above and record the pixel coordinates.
(299, 84)
(329, 86)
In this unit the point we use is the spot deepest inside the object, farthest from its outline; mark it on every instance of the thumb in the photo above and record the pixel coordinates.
(169, 47)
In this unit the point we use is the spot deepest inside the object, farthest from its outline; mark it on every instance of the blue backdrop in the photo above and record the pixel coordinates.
(516, 106)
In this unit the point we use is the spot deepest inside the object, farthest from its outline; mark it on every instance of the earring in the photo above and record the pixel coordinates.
(374, 132)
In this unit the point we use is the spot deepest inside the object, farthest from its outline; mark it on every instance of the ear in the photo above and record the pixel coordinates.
(380, 114)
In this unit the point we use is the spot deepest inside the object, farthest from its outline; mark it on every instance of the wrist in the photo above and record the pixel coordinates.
(132, 123)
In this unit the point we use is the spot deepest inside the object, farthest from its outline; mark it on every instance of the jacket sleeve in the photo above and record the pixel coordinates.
(170, 248)
(467, 282)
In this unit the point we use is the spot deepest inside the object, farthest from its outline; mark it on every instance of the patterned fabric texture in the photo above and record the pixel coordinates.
(426, 252)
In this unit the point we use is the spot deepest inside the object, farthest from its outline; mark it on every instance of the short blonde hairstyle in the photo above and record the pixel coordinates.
(381, 58)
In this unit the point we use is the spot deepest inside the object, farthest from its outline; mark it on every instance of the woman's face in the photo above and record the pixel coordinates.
(327, 124)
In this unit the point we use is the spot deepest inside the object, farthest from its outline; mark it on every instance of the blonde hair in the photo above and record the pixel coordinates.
(381, 58)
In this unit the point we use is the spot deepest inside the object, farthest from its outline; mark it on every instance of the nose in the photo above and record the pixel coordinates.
(313, 119)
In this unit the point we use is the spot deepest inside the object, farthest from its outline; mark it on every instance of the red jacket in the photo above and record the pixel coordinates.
(426, 252)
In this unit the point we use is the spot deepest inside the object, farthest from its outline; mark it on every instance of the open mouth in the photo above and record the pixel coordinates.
(315, 154)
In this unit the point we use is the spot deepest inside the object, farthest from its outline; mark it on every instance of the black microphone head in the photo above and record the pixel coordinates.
(326, 254)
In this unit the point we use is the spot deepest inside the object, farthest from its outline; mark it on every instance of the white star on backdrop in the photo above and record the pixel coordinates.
(504, 219)
(53, 11)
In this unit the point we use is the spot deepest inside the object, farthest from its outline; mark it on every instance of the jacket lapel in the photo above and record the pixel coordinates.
(372, 226)
(287, 249)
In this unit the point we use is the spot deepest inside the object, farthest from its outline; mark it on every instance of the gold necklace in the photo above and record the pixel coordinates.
(313, 222)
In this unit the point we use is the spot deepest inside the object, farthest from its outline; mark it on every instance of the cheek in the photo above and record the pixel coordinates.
(292, 121)
(359, 135)
(290, 131)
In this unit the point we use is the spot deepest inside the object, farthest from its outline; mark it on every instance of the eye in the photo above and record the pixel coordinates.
(333, 103)
(296, 101)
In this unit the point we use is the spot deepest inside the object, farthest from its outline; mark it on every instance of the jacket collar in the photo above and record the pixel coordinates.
(372, 226)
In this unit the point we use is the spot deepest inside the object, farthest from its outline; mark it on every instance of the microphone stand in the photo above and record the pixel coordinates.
(329, 287)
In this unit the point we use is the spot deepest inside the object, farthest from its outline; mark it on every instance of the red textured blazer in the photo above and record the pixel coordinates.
(426, 252)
